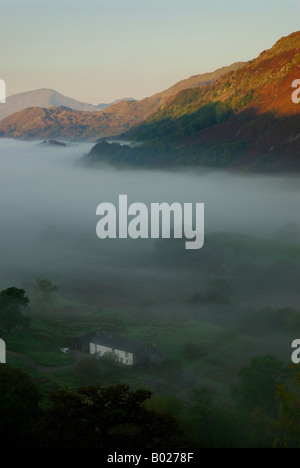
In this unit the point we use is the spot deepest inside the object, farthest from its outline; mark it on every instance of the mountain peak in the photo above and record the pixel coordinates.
(43, 98)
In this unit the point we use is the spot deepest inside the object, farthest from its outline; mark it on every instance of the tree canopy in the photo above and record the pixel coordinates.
(19, 409)
(97, 417)
(13, 302)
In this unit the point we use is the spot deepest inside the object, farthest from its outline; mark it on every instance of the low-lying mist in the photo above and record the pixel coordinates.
(48, 224)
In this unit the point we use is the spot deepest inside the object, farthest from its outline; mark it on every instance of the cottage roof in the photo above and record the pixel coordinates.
(85, 339)
(116, 342)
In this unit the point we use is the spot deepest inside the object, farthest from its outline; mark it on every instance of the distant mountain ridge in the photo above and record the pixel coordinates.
(41, 98)
(88, 122)
(46, 98)
(103, 106)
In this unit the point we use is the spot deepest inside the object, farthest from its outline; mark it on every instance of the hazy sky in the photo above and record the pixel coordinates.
(101, 50)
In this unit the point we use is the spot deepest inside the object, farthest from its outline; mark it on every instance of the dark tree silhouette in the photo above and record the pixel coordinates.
(13, 302)
(110, 418)
(19, 409)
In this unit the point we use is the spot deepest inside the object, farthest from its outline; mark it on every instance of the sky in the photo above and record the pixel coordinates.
(101, 50)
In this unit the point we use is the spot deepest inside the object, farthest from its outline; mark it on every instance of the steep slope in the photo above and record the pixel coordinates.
(262, 85)
(196, 81)
(246, 118)
(142, 109)
(41, 98)
(34, 123)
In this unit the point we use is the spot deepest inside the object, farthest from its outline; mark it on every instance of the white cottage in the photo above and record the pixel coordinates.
(126, 352)
(2, 351)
